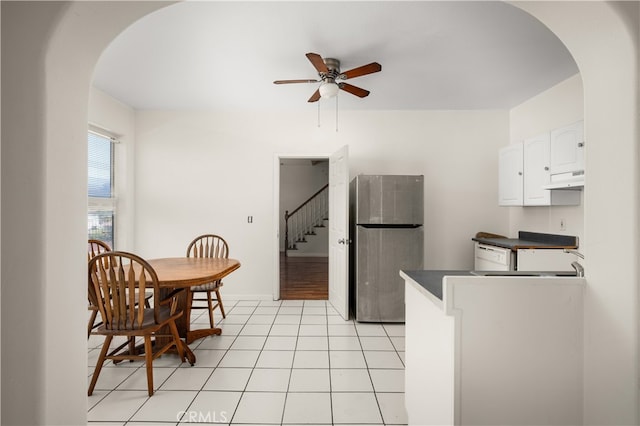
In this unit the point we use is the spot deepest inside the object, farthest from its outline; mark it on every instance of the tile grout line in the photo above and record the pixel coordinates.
(293, 361)
(212, 371)
(326, 309)
(375, 393)
(244, 391)
(113, 389)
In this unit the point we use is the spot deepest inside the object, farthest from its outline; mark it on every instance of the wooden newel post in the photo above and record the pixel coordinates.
(286, 232)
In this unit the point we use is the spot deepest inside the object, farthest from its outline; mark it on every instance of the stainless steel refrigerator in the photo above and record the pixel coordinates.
(386, 227)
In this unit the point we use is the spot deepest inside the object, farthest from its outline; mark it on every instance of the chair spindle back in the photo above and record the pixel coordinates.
(119, 280)
(95, 247)
(208, 245)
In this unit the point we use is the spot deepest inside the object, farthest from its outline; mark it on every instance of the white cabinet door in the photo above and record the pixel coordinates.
(567, 149)
(536, 170)
(510, 176)
(339, 231)
(545, 260)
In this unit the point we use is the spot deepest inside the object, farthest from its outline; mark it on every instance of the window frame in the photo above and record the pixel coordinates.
(105, 204)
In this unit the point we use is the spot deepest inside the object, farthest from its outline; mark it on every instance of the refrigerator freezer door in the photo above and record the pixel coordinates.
(389, 199)
(381, 254)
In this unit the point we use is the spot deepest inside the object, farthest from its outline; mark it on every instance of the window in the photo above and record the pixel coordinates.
(101, 192)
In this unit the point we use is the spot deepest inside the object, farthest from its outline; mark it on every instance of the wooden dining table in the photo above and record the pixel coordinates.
(180, 273)
(184, 272)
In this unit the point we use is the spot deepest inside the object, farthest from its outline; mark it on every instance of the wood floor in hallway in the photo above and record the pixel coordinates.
(304, 278)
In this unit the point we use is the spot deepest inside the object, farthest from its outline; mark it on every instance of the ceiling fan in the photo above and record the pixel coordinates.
(331, 77)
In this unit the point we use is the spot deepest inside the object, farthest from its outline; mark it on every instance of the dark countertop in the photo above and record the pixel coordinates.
(432, 280)
(532, 240)
(524, 273)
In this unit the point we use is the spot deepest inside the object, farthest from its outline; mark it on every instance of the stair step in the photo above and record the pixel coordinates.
(315, 243)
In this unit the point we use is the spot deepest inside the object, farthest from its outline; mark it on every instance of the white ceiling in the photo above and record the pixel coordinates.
(434, 55)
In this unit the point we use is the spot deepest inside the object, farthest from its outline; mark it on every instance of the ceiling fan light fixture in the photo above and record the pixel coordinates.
(328, 90)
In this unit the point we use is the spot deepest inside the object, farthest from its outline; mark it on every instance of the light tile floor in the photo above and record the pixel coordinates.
(283, 362)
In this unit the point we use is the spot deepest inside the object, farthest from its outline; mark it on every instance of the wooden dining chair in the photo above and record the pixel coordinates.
(113, 280)
(207, 245)
(94, 248)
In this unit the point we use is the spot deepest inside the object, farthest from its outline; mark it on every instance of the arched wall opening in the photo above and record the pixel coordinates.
(44, 113)
(606, 52)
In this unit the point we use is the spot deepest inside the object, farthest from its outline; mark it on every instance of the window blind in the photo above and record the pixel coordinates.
(100, 166)
(101, 206)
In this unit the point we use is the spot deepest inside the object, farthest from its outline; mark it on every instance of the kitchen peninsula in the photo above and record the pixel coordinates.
(493, 349)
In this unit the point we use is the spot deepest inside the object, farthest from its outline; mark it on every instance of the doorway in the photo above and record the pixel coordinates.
(303, 224)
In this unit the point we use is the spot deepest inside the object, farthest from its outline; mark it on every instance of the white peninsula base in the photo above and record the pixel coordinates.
(494, 350)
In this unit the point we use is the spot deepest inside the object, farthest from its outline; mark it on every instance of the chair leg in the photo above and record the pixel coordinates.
(187, 309)
(177, 340)
(99, 363)
(92, 320)
(224, 315)
(132, 347)
(148, 355)
(210, 303)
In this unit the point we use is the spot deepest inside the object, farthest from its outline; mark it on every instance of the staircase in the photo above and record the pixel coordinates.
(306, 231)
(314, 244)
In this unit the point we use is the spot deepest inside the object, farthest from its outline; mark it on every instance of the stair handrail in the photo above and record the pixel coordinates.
(306, 202)
(288, 216)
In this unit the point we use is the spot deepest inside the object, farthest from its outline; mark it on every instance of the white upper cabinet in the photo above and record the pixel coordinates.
(510, 176)
(567, 149)
(525, 169)
(536, 152)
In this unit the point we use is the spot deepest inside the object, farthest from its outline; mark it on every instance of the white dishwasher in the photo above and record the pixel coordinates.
(493, 258)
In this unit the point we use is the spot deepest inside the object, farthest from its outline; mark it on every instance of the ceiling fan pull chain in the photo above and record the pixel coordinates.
(318, 114)
(337, 113)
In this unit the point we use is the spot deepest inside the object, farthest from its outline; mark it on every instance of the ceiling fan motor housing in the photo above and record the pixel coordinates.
(333, 65)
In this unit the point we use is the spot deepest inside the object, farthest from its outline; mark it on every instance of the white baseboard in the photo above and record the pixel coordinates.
(229, 296)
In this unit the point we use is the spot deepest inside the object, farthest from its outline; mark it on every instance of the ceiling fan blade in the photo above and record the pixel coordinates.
(317, 61)
(295, 81)
(354, 90)
(315, 97)
(363, 70)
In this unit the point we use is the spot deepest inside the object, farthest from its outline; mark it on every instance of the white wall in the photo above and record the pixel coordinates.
(556, 107)
(23, 152)
(118, 119)
(197, 171)
(299, 180)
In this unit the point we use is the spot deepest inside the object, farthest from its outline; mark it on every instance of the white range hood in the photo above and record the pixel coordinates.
(570, 180)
